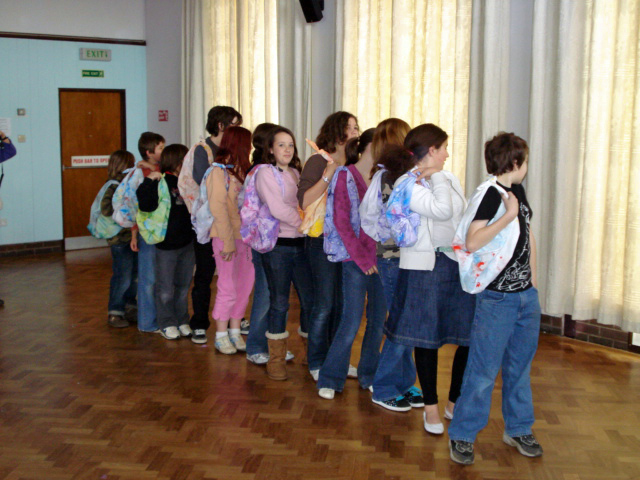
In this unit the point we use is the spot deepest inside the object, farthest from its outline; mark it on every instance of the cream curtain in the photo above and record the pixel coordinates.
(238, 58)
(585, 158)
(407, 59)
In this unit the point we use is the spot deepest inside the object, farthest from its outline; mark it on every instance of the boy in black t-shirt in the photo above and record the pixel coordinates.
(507, 319)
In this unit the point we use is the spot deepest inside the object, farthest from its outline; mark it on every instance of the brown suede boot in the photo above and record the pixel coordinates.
(276, 367)
(303, 337)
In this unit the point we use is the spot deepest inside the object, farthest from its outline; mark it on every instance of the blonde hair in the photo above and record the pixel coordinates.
(119, 161)
(388, 132)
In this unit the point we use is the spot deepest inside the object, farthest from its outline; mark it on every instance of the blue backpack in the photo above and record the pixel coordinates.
(333, 245)
(402, 221)
(101, 226)
(373, 218)
(201, 216)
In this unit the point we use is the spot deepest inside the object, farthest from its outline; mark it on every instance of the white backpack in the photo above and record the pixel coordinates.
(201, 216)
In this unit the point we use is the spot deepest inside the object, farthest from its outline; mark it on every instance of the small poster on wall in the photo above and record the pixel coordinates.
(90, 161)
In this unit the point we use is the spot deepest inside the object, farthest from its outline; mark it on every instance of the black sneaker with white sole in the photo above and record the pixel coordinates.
(398, 404)
(244, 327)
(461, 452)
(199, 336)
(414, 397)
(527, 445)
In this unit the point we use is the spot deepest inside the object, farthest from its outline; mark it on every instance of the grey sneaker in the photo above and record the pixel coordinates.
(527, 445)
(461, 452)
(244, 327)
(263, 358)
(199, 336)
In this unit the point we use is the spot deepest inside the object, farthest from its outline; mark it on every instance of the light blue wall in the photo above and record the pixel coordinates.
(31, 72)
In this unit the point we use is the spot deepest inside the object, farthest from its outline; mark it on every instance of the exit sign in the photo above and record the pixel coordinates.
(93, 73)
(95, 54)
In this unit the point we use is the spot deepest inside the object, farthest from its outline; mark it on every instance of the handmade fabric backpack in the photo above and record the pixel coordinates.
(480, 268)
(201, 216)
(403, 223)
(125, 201)
(313, 217)
(373, 218)
(189, 189)
(259, 228)
(153, 225)
(333, 244)
(101, 226)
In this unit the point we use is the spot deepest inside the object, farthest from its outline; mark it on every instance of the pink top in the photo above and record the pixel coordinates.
(284, 209)
(361, 249)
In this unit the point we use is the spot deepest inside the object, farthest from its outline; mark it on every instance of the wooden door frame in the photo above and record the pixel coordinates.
(123, 128)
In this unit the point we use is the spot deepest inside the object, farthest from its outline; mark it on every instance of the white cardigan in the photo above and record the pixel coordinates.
(434, 205)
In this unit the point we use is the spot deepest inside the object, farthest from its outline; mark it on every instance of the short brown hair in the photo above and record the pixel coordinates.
(224, 115)
(504, 152)
(148, 143)
(172, 157)
(391, 131)
(334, 131)
(119, 161)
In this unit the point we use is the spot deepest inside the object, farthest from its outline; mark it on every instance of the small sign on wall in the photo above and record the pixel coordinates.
(163, 115)
(90, 161)
(95, 54)
(93, 73)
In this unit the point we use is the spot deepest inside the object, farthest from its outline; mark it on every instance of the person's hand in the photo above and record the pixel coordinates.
(134, 242)
(511, 204)
(426, 172)
(227, 256)
(371, 271)
(154, 176)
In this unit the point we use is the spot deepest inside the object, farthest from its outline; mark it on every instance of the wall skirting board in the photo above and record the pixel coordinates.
(21, 249)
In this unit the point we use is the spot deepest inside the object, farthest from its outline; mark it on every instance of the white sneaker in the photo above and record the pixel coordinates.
(433, 428)
(224, 345)
(353, 372)
(314, 374)
(238, 342)
(185, 330)
(327, 393)
(258, 358)
(170, 333)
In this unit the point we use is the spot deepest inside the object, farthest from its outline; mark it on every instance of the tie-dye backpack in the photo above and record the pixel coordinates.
(153, 225)
(189, 189)
(333, 244)
(125, 201)
(403, 223)
(101, 226)
(478, 269)
(201, 216)
(373, 218)
(259, 228)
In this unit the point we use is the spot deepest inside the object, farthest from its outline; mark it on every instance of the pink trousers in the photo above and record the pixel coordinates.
(235, 281)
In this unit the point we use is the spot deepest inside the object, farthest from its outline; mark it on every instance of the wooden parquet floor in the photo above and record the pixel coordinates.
(80, 400)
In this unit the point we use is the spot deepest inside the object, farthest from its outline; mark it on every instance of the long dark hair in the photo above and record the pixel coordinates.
(399, 159)
(356, 146)
(259, 141)
(234, 150)
(269, 157)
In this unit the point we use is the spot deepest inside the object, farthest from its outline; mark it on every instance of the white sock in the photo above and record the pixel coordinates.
(234, 331)
(220, 335)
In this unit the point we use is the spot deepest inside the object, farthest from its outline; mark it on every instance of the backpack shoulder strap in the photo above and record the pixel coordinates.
(207, 149)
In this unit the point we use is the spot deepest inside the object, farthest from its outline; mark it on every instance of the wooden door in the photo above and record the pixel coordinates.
(92, 123)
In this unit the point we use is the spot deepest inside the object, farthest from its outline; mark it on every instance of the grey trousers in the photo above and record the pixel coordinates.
(174, 271)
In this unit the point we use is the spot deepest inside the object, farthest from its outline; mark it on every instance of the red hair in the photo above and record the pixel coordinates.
(235, 148)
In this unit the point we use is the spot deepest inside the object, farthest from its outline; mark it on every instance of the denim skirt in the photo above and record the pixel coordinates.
(430, 308)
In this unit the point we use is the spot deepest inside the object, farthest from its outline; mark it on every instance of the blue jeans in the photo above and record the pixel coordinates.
(174, 271)
(256, 340)
(327, 301)
(146, 285)
(283, 265)
(124, 281)
(504, 334)
(396, 370)
(355, 284)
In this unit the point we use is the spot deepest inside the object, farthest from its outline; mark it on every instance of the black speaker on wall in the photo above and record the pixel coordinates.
(312, 10)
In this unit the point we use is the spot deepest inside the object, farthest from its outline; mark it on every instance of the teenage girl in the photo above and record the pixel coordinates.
(337, 129)
(430, 308)
(124, 281)
(360, 278)
(175, 256)
(287, 262)
(232, 255)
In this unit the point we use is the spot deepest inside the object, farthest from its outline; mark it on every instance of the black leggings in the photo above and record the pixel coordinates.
(427, 367)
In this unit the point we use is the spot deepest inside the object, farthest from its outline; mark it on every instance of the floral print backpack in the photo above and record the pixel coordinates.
(403, 223)
(99, 225)
(125, 201)
(333, 245)
(201, 216)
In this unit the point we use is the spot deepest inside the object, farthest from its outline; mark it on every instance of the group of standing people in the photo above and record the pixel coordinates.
(341, 266)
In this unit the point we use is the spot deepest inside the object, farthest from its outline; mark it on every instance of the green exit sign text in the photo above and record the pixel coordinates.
(95, 54)
(93, 73)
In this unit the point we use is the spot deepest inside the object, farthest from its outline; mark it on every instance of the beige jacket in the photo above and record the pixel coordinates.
(224, 208)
